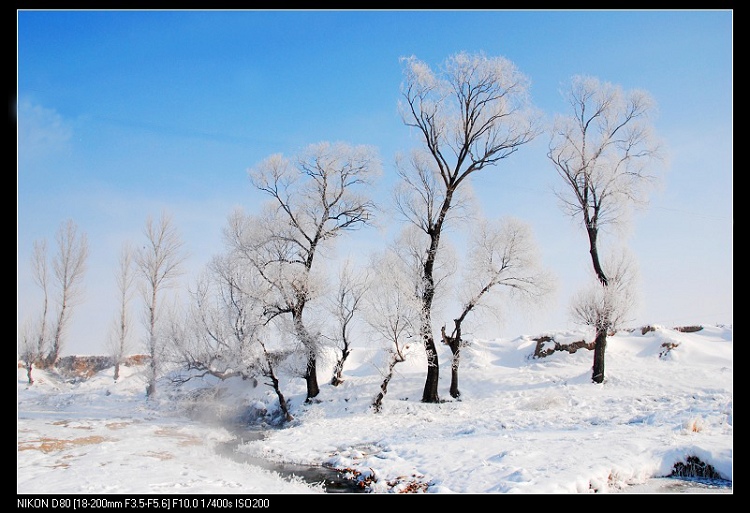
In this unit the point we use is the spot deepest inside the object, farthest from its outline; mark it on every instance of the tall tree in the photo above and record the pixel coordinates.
(121, 331)
(69, 268)
(602, 151)
(470, 115)
(40, 273)
(33, 336)
(314, 198)
(159, 263)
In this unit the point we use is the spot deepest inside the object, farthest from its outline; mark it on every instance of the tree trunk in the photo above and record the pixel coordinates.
(593, 233)
(54, 353)
(600, 344)
(151, 387)
(430, 393)
(311, 375)
(454, 343)
(377, 403)
(455, 393)
(338, 369)
(271, 373)
(311, 368)
(282, 401)
(117, 370)
(28, 373)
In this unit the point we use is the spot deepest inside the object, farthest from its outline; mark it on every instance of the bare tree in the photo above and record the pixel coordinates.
(502, 257)
(69, 267)
(315, 198)
(217, 335)
(393, 311)
(159, 263)
(347, 304)
(606, 307)
(271, 359)
(28, 351)
(602, 151)
(33, 338)
(225, 334)
(472, 114)
(39, 269)
(120, 339)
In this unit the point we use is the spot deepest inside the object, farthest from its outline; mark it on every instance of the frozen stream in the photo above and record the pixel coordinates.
(680, 485)
(331, 479)
(334, 482)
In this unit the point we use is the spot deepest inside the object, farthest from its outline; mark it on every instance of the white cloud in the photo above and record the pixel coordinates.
(41, 131)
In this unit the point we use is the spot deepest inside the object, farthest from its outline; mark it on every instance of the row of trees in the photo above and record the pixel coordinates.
(259, 304)
(152, 269)
(41, 340)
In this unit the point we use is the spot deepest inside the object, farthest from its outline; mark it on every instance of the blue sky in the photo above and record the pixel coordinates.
(125, 114)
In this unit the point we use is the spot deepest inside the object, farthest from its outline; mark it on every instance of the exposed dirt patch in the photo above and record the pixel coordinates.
(161, 455)
(66, 423)
(118, 425)
(47, 445)
(84, 367)
(184, 439)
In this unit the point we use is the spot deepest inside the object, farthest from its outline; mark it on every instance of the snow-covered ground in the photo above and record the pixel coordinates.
(523, 425)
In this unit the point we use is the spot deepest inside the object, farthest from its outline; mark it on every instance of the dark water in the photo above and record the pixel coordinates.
(681, 485)
(331, 479)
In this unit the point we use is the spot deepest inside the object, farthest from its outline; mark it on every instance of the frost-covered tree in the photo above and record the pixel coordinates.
(345, 307)
(603, 151)
(159, 263)
(33, 338)
(120, 336)
(68, 268)
(27, 349)
(225, 333)
(315, 198)
(503, 264)
(40, 274)
(392, 310)
(469, 115)
(606, 307)
(223, 323)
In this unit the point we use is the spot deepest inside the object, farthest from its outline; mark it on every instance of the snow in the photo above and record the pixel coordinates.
(523, 425)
